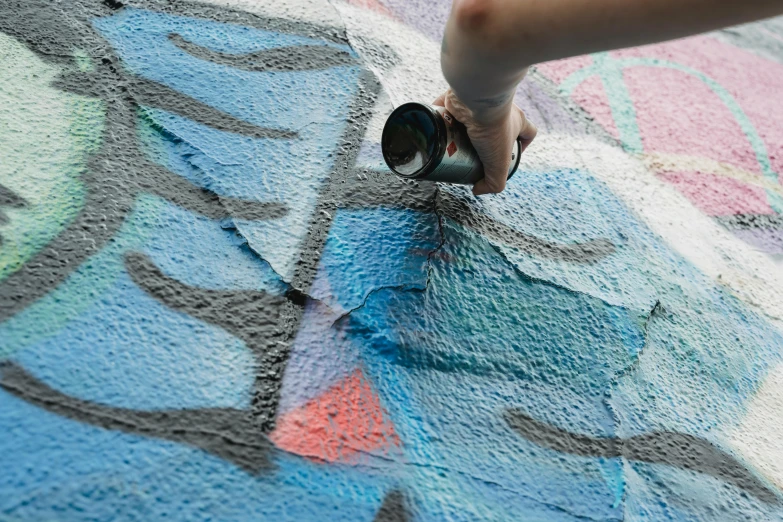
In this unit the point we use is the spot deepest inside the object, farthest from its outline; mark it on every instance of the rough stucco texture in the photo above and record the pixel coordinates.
(217, 304)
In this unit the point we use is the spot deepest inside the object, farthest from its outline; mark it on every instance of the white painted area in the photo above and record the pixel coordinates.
(759, 438)
(416, 76)
(750, 275)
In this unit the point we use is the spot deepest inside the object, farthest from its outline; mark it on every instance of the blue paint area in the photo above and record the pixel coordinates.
(445, 372)
(312, 103)
(479, 342)
(485, 337)
(130, 351)
(366, 260)
(63, 470)
(448, 337)
(204, 253)
(566, 207)
(322, 354)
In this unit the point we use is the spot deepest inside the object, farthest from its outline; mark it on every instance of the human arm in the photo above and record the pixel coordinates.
(489, 44)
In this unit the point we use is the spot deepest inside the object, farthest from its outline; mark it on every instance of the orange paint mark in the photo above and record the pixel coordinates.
(346, 420)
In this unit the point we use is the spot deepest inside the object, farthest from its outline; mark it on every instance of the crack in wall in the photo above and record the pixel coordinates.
(409, 287)
(614, 381)
(441, 233)
(170, 135)
(530, 278)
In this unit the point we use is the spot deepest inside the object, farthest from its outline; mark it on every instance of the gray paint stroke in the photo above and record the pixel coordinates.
(679, 450)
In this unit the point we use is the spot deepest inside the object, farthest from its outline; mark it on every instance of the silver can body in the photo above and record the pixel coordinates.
(444, 151)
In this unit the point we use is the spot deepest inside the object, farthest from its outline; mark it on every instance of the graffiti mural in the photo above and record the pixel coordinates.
(217, 304)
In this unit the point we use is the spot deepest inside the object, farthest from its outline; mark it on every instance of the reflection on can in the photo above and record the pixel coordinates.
(425, 142)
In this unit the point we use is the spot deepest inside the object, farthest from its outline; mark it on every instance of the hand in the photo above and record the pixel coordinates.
(493, 138)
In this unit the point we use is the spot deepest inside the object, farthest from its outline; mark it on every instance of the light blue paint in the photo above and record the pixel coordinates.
(130, 351)
(312, 103)
(620, 103)
(353, 247)
(485, 337)
(65, 470)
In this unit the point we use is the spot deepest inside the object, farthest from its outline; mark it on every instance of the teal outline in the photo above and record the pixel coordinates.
(610, 70)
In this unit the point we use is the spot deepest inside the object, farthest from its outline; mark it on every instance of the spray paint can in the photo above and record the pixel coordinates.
(425, 142)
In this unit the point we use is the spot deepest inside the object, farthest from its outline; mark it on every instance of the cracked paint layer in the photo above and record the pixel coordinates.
(216, 302)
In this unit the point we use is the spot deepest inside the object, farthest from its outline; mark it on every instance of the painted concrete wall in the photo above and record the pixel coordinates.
(216, 303)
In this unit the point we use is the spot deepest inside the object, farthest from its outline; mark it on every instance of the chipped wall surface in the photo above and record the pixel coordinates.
(217, 304)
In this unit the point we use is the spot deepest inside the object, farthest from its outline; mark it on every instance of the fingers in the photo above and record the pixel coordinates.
(493, 182)
(440, 101)
(496, 164)
(527, 134)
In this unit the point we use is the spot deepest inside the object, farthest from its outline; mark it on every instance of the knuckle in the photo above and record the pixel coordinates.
(495, 186)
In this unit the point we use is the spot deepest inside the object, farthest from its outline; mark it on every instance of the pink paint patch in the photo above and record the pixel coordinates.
(677, 113)
(591, 95)
(372, 5)
(719, 196)
(337, 426)
(755, 82)
(562, 69)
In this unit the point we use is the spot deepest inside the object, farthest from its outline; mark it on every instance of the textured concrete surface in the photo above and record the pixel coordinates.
(217, 304)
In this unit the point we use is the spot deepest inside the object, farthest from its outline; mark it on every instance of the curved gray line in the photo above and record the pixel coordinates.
(156, 95)
(237, 311)
(250, 315)
(679, 450)
(586, 252)
(109, 198)
(228, 433)
(9, 198)
(393, 508)
(154, 179)
(153, 94)
(751, 221)
(278, 59)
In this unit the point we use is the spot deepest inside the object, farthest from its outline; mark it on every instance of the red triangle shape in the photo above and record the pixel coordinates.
(338, 425)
